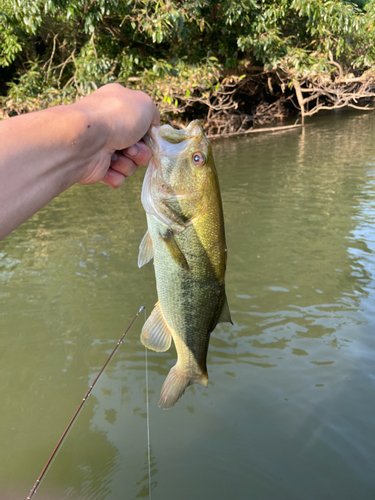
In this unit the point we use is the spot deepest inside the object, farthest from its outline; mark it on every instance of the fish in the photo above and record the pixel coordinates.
(186, 239)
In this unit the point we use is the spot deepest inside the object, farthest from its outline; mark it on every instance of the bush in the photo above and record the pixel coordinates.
(187, 54)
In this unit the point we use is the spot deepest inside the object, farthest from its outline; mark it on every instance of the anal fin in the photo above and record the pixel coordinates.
(146, 250)
(156, 334)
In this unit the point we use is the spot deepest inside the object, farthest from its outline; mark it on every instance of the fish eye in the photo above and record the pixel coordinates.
(199, 159)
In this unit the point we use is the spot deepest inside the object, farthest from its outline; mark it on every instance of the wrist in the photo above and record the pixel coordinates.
(90, 148)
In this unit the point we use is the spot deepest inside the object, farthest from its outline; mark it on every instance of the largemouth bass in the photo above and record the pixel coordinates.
(186, 238)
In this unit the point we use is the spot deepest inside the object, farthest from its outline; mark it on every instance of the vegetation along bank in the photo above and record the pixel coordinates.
(234, 64)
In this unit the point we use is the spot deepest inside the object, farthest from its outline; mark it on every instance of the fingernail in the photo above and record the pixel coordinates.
(132, 151)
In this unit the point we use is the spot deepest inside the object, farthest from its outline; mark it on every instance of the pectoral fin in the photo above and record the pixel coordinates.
(146, 250)
(156, 334)
(174, 249)
(225, 313)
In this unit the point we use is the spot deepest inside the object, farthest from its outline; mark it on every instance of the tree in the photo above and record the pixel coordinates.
(233, 63)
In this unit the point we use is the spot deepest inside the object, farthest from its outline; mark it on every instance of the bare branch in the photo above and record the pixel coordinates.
(254, 131)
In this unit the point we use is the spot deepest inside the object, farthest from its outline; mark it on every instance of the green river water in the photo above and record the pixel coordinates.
(289, 412)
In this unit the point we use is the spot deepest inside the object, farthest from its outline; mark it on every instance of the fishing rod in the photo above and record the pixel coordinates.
(53, 454)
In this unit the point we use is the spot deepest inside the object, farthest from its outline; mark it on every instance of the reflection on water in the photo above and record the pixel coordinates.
(105, 453)
(299, 210)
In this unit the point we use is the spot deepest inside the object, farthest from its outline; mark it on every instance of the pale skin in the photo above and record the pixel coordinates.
(97, 139)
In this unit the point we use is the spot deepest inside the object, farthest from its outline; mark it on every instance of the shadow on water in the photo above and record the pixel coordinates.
(299, 214)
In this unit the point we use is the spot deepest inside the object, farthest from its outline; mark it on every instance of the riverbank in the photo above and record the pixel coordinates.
(234, 65)
(238, 104)
(229, 105)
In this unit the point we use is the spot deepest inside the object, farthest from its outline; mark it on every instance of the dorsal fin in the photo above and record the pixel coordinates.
(225, 313)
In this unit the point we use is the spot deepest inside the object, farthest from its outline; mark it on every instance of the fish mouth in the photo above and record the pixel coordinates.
(159, 138)
(175, 136)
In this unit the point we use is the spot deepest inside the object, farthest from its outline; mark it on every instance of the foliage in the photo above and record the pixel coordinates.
(183, 53)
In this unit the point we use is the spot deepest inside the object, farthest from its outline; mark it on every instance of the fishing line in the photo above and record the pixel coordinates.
(148, 427)
(64, 434)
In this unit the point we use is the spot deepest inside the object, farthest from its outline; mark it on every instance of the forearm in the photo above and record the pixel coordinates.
(46, 152)
(41, 155)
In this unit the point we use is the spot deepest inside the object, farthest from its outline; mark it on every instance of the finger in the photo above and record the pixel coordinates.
(113, 178)
(122, 164)
(139, 153)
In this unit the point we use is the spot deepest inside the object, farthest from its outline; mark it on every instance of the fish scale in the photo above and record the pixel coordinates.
(186, 239)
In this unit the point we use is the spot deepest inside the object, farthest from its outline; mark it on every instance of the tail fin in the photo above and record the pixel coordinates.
(175, 384)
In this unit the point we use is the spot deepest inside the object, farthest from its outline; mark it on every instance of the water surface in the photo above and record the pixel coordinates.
(288, 413)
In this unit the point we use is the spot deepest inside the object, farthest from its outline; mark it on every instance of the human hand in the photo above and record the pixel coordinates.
(118, 118)
(124, 163)
(96, 139)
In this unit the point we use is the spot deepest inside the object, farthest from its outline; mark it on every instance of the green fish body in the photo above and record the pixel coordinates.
(186, 238)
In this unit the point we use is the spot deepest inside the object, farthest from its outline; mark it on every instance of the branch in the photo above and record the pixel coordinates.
(334, 63)
(257, 130)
